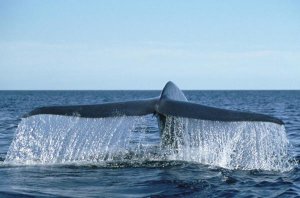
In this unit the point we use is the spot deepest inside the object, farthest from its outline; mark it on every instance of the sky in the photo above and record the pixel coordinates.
(142, 44)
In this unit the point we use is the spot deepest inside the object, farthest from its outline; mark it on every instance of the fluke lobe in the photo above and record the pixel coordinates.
(172, 102)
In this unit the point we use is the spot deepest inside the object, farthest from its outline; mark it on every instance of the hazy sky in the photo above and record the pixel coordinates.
(142, 44)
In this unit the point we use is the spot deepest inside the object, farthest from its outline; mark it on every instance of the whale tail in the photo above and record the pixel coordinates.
(172, 102)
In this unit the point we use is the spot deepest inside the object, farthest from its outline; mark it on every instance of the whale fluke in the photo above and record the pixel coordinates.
(172, 102)
(128, 108)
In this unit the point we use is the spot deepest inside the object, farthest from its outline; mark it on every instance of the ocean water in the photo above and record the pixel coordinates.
(58, 156)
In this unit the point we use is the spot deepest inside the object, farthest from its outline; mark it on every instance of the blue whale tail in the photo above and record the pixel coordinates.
(171, 102)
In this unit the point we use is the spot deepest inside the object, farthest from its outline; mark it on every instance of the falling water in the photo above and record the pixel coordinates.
(51, 139)
(231, 145)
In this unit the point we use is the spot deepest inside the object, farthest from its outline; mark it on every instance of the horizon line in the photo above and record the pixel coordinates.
(148, 89)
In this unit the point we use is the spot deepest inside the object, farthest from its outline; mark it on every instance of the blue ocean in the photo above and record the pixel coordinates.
(127, 156)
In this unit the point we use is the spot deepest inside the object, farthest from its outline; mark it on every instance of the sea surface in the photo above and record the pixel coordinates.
(58, 156)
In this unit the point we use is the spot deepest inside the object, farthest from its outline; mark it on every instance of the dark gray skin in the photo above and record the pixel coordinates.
(172, 102)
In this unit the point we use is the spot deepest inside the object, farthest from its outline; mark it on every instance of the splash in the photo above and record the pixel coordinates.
(231, 145)
(52, 139)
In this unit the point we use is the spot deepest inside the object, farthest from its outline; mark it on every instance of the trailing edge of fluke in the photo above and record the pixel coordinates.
(172, 102)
